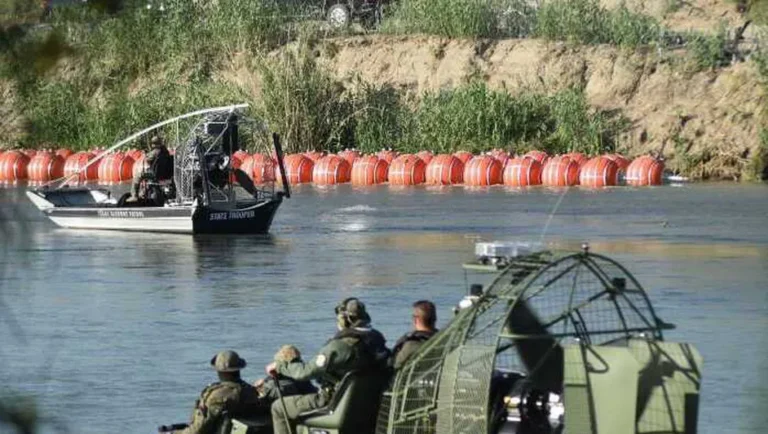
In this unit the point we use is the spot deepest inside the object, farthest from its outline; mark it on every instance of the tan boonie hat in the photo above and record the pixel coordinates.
(287, 353)
(227, 361)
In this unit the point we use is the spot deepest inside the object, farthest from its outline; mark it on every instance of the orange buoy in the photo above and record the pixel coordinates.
(13, 166)
(577, 157)
(351, 155)
(560, 171)
(139, 165)
(425, 156)
(116, 168)
(29, 152)
(75, 163)
(65, 153)
(645, 170)
(298, 169)
(136, 154)
(464, 156)
(522, 172)
(620, 161)
(315, 155)
(387, 155)
(330, 170)
(539, 156)
(445, 169)
(45, 166)
(369, 170)
(407, 169)
(238, 157)
(260, 167)
(599, 172)
(500, 155)
(482, 170)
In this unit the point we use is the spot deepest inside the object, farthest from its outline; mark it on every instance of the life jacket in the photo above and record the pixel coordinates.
(414, 336)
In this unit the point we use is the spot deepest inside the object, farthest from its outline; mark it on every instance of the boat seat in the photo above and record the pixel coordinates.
(353, 408)
(254, 425)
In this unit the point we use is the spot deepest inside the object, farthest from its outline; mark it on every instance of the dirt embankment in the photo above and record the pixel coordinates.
(706, 124)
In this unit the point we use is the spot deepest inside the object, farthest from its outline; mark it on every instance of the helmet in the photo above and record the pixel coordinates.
(351, 313)
(227, 361)
(287, 353)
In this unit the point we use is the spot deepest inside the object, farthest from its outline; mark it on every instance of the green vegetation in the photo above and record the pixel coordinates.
(461, 18)
(99, 74)
(586, 22)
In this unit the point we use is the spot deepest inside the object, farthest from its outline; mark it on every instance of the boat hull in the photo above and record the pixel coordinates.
(246, 218)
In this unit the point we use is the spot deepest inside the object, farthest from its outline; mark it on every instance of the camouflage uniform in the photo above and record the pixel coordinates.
(158, 164)
(235, 397)
(288, 386)
(356, 346)
(409, 344)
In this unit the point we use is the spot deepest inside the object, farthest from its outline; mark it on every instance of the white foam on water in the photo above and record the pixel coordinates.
(356, 209)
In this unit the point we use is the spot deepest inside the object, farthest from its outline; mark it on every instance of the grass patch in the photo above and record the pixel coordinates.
(461, 18)
(586, 22)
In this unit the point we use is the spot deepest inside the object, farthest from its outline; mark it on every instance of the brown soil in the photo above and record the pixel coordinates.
(706, 124)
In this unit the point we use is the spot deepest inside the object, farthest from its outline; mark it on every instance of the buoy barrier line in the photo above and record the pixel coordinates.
(13, 167)
(578, 157)
(370, 170)
(445, 169)
(73, 165)
(464, 156)
(116, 168)
(330, 170)
(65, 153)
(407, 170)
(539, 156)
(560, 171)
(599, 172)
(299, 169)
(522, 172)
(482, 170)
(425, 156)
(645, 171)
(351, 155)
(45, 166)
(260, 168)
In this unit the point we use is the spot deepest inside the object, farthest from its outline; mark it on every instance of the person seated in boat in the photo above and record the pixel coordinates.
(268, 386)
(230, 395)
(357, 346)
(158, 165)
(423, 319)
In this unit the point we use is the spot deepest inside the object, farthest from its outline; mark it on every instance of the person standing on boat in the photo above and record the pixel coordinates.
(424, 319)
(158, 165)
(267, 386)
(231, 395)
(356, 346)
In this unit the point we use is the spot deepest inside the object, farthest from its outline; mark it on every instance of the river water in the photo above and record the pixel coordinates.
(113, 332)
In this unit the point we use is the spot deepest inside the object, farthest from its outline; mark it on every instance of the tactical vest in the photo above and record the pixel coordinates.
(414, 336)
(369, 347)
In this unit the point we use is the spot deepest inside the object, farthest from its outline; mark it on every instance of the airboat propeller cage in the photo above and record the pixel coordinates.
(574, 325)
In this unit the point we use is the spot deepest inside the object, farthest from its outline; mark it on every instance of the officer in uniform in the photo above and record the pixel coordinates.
(158, 163)
(356, 346)
(231, 395)
(268, 386)
(424, 318)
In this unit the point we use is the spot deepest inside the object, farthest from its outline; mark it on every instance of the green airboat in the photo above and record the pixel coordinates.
(558, 342)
